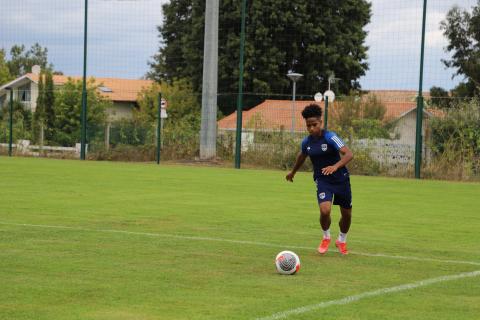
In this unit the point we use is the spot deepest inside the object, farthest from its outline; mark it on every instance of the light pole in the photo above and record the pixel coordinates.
(162, 114)
(329, 96)
(294, 77)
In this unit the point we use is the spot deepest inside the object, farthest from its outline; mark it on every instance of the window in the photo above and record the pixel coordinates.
(105, 89)
(24, 93)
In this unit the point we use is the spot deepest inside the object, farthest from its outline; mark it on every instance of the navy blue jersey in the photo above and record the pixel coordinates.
(323, 152)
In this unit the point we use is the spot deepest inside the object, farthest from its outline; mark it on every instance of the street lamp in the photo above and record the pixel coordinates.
(294, 77)
(328, 95)
(162, 114)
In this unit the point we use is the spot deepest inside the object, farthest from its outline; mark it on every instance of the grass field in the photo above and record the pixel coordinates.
(98, 240)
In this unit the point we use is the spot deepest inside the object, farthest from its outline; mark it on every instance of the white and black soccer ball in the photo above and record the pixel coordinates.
(287, 262)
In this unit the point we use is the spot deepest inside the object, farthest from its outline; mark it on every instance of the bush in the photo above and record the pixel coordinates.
(455, 142)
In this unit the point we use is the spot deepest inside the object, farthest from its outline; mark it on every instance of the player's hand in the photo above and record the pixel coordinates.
(290, 176)
(329, 170)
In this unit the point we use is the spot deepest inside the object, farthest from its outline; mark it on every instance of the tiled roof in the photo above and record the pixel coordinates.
(270, 114)
(396, 95)
(275, 114)
(121, 89)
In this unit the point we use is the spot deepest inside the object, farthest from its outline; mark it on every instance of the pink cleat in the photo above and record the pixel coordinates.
(323, 247)
(342, 247)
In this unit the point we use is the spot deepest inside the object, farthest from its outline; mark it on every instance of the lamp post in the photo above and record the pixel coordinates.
(294, 77)
(329, 96)
(162, 114)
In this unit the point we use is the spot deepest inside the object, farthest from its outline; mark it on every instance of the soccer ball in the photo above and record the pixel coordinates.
(287, 262)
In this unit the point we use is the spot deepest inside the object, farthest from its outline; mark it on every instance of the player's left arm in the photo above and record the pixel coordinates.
(346, 157)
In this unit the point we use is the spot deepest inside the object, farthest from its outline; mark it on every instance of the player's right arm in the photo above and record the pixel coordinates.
(298, 163)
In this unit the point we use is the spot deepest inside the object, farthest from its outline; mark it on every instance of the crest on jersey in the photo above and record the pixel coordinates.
(324, 147)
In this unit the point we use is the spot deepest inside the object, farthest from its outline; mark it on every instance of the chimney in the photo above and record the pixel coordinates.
(36, 69)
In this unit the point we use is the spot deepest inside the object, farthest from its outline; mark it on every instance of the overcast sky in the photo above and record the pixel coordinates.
(123, 37)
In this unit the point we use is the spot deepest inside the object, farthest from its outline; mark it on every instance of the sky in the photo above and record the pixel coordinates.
(123, 37)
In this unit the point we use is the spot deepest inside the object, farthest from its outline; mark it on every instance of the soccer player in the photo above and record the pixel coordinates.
(329, 155)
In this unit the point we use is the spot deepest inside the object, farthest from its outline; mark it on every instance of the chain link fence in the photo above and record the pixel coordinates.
(374, 110)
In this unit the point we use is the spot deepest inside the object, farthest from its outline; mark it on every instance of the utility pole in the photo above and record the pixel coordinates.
(208, 132)
(84, 87)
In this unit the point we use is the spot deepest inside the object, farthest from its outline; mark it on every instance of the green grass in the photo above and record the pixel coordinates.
(155, 271)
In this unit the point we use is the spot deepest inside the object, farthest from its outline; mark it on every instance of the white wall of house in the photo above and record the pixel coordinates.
(120, 110)
(34, 96)
(25, 92)
(406, 128)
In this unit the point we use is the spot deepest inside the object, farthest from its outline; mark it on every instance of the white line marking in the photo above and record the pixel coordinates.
(254, 243)
(368, 294)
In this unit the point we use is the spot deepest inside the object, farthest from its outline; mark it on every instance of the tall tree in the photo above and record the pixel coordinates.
(49, 105)
(21, 61)
(439, 97)
(309, 37)
(462, 29)
(68, 103)
(5, 75)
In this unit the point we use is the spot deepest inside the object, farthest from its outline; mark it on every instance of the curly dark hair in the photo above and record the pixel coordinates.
(312, 110)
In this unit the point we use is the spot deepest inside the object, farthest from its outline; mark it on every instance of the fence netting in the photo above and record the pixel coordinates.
(146, 55)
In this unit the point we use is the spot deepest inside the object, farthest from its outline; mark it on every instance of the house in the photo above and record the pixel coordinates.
(122, 92)
(281, 115)
(270, 115)
(276, 115)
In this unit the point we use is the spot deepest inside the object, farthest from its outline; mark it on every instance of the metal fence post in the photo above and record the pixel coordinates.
(418, 136)
(238, 144)
(326, 114)
(10, 124)
(107, 136)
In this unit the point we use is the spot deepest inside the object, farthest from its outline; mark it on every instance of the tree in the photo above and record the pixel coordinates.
(455, 138)
(182, 104)
(49, 105)
(439, 97)
(22, 122)
(44, 116)
(21, 61)
(5, 75)
(361, 118)
(462, 30)
(281, 35)
(68, 104)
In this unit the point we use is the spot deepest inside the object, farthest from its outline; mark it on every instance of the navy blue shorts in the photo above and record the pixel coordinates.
(341, 193)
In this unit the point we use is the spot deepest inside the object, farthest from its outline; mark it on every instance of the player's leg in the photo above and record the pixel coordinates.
(324, 197)
(345, 220)
(325, 222)
(344, 224)
(343, 198)
(325, 219)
